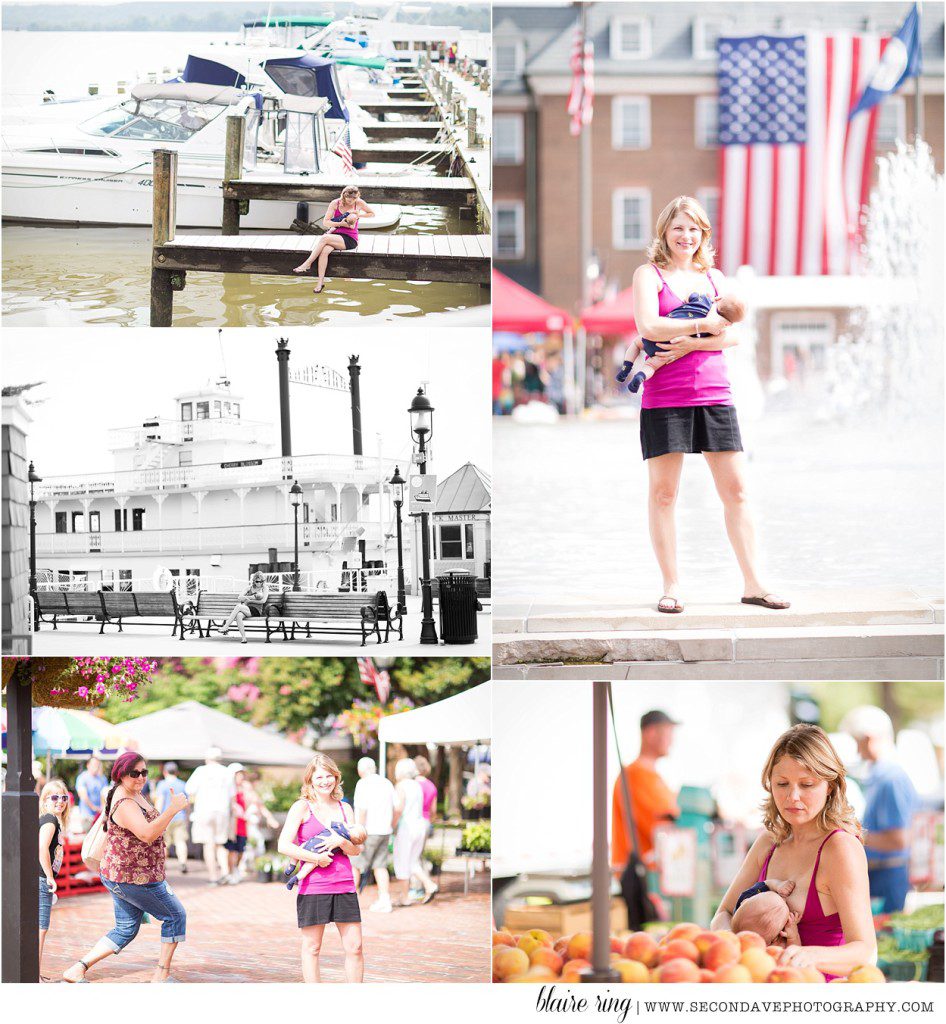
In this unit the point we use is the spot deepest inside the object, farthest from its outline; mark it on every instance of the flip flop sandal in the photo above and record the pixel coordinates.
(766, 601)
(78, 981)
(674, 606)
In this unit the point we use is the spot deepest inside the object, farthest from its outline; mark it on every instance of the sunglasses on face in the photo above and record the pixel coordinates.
(57, 798)
(138, 773)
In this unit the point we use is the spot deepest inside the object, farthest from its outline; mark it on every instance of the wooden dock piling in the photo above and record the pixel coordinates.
(232, 171)
(164, 226)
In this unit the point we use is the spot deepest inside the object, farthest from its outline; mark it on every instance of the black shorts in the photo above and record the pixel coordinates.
(235, 845)
(689, 428)
(327, 908)
(350, 243)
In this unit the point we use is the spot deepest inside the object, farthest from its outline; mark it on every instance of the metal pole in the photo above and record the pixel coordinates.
(354, 374)
(295, 582)
(585, 207)
(600, 970)
(401, 593)
(282, 360)
(428, 630)
(32, 583)
(20, 817)
(918, 92)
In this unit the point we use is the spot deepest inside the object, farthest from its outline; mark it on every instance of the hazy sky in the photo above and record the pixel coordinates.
(103, 377)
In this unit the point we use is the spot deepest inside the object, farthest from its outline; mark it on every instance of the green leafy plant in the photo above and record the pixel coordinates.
(477, 838)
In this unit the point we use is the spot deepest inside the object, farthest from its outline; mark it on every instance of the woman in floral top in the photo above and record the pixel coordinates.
(132, 869)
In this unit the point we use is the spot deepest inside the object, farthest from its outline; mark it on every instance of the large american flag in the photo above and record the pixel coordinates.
(582, 94)
(794, 171)
(370, 676)
(342, 148)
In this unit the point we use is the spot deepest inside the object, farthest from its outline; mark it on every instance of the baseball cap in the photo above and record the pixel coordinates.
(657, 718)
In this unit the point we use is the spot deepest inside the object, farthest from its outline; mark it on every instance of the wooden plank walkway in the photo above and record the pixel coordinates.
(377, 131)
(409, 92)
(399, 152)
(418, 108)
(407, 189)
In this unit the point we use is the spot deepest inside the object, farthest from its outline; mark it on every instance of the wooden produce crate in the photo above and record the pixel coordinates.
(562, 918)
(72, 864)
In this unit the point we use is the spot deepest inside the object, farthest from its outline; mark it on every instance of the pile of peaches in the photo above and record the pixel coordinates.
(686, 953)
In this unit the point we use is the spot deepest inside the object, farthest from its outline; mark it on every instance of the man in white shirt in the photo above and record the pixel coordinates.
(211, 790)
(374, 808)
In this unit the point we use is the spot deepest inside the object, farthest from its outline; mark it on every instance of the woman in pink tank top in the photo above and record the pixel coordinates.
(327, 894)
(812, 838)
(687, 404)
(341, 231)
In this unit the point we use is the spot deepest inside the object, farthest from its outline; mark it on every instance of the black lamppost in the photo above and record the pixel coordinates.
(33, 478)
(295, 496)
(397, 490)
(422, 428)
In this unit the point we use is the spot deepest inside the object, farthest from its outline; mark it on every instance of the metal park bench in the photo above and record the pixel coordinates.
(108, 606)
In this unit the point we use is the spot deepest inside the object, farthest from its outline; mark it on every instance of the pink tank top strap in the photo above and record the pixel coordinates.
(765, 864)
(812, 890)
(657, 271)
(713, 283)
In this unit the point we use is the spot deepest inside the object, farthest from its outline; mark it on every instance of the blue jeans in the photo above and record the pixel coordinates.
(131, 902)
(45, 904)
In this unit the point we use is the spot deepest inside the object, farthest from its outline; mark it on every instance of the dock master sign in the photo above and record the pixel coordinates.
(423, 493)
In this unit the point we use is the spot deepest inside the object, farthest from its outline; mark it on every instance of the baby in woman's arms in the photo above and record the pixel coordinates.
(764, 909)
(298, 870)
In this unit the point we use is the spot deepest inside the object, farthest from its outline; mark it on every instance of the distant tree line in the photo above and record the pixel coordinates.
(215, 17)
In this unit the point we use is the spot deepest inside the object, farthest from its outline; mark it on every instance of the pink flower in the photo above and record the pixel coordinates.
(83, 691)
(285, 690)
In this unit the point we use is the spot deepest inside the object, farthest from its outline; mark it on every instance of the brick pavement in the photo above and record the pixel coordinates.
(248, 933)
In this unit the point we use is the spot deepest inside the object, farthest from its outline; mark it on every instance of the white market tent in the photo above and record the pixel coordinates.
(464, 718)
(186, 731)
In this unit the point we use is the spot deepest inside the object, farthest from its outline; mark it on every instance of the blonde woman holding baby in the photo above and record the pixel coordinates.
(687, 402)
(803, 885)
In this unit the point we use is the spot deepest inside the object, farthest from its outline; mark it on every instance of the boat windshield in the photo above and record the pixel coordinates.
(155, 120)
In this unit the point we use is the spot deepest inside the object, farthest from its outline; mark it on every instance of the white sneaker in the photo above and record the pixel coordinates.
(234, 880)
(381, 908)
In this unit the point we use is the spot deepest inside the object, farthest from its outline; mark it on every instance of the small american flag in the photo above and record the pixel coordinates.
(581, 97)
(370, 676)
(794, 170)
(342, 148)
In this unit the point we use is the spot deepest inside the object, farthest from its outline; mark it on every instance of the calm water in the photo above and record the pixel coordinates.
(835, 506)
(56, 276)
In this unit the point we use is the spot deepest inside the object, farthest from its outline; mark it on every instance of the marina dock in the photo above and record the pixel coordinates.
(381, 131)
(402, 152)
(409, 189)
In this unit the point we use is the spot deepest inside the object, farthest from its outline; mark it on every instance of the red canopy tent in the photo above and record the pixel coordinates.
(516, 309)
(612, 316)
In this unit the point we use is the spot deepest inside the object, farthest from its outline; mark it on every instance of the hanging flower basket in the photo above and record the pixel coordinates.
(81, 683)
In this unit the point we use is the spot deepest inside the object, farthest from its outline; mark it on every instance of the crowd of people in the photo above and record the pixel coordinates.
(335, 847)
(523, 377)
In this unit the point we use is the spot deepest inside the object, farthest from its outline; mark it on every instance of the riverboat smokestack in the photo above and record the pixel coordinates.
(354, 372)
(282, 358)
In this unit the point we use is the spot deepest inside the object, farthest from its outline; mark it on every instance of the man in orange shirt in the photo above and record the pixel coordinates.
(652, 800)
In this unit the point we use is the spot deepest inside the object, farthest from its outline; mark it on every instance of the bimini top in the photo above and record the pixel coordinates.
(192, 92)
(307, 75)
(279, 21)
(211, 72)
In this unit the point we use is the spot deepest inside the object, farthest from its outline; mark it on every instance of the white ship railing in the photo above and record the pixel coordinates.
(216, 428)
(361, 470)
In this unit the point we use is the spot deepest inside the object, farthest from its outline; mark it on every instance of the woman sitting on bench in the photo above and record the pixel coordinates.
(250, 604)
(341, 231)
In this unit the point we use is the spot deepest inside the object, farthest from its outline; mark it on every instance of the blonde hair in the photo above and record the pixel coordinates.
(321, 761)
(658, 251)
(351, 190)
(58, 786)
(810, 746)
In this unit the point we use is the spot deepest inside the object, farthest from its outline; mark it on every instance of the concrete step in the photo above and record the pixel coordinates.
(721, 645)
(834, 669)
(885, 606)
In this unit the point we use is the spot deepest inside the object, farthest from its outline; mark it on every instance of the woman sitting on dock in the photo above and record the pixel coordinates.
(250, 603)
(341, 230)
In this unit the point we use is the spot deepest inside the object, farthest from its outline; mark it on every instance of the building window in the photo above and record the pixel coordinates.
(507, 139)
(78, 522)
(451, 542)
(124, 580)
(708, 198)
(121, 519)
(305, 512)
(706, 33)
(217, 410)
(706, 119)
(108, 579)
(137, 519)
(95, 522)
(185, 458)
(892, 121)
(468, 537)
(62, 522)
(333, 513)
(203, 410)
(509, 233)
(630, 122)
(630, 212)
(236, 409)
(187, 411)
(630, 38)
(508, 58)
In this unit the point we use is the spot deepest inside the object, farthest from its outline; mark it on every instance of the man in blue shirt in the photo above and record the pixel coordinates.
(891, 802)
(90, 785)
(175, 835)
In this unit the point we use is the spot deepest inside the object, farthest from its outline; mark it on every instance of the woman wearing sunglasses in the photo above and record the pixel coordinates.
(53, 817)
(132, 869)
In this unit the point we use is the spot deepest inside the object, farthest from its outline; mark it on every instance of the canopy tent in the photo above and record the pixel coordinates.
(70, 733)
(611, 316)
(517, 310)
(186, 731)
(464, 718)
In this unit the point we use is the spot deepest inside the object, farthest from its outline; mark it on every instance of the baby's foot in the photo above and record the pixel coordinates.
(636, 382)
(621, 375)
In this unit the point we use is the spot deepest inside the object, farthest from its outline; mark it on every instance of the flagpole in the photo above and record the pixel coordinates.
(585, 209)
(918, 92)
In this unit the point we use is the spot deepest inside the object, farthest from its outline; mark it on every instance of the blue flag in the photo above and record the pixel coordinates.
(902, 59)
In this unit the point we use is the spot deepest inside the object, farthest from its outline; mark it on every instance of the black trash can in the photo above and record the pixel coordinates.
(458, 608)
